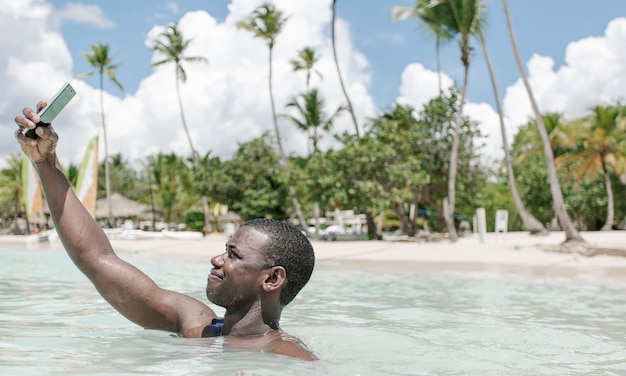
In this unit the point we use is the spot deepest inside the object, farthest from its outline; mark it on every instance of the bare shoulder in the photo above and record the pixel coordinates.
(275, 341)
(286, 344)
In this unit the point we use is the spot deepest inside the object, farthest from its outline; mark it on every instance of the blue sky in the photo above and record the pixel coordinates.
(542, 27)
(384, 61)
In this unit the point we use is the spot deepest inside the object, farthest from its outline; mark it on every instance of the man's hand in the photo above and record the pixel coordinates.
(43, 148)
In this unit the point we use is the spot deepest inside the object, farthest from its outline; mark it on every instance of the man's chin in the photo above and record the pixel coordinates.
(213, 298)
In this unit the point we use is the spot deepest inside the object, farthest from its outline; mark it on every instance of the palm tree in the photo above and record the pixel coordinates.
(423, 11)
(171, 181)
(532, 224)
(343, 87)
(312, 117)
(266, 22)
(460, 19)
(571, 233)
(597, 147)
(305, 61)
(102, 61)
(531, 138)
(172, 45)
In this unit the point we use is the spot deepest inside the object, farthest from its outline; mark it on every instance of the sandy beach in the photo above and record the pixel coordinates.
(516, 253)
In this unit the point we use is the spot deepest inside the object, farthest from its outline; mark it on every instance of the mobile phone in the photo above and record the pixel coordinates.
(54, 107)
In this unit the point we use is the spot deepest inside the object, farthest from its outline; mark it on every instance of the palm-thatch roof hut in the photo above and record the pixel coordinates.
(123, 207)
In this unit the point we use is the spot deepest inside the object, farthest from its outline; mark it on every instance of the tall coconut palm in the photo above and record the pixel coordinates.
(312, 117)
(307, 58)
(533, 143)
(424, 13)
(597, 150)
(571, 233)
(172, 45)
(266, 23)
(532, 224)
(343, 86)
(460, 20)
(101, 59)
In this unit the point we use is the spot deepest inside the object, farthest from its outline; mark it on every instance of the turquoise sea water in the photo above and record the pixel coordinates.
(53, 322)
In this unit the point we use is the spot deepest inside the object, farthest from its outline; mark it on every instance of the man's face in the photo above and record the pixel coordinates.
(236, 279)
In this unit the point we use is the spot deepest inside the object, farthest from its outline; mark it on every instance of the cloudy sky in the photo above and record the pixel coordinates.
(575, 57)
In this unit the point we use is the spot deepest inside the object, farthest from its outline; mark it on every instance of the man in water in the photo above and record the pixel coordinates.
(265, 264)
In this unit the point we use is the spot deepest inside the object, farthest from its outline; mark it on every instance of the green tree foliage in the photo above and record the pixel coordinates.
(124, 179)
(596, 149)
(586, 197)
(437, 119)
(172, 185)
(307, 57)
(252, 183)
(401, 160)
(11, 190)
(311, 115)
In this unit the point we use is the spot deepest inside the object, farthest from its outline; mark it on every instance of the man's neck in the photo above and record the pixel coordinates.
(253, 320)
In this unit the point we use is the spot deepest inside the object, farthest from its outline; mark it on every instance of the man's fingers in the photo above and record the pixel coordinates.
(41, 105)
(23, 140)
(31, 115)
(24, 123)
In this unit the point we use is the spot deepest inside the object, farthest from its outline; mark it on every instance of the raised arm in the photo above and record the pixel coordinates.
(125, 287)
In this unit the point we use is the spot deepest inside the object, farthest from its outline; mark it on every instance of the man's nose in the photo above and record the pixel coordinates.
(218, 260)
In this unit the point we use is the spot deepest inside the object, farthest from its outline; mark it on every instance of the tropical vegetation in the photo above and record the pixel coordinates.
(408, 169)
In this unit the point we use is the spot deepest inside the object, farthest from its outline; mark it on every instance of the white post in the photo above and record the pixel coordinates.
(481, 217)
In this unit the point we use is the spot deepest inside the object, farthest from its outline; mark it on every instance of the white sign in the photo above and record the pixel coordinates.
(502, 220)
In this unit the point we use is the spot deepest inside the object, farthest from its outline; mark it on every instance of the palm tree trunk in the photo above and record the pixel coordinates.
(107, 173)
(438, 57)
(372, 229)
(531, 223)
(343, 88)
(196, 163)
(449, 202)
(182, 118)
(283, 157)
(571, 234)
(610, 208)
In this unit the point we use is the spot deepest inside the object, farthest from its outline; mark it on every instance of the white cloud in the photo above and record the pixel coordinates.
(226, 101)
(89, 14)
(419, 85)
(173, 7)
(594, 73)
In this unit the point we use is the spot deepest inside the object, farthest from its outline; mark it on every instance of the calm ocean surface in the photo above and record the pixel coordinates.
(53, 322)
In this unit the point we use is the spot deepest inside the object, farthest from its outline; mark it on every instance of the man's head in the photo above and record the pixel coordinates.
(288, 247)
(264, 254)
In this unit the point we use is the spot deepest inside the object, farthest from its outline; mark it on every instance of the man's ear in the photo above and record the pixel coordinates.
(275, 278)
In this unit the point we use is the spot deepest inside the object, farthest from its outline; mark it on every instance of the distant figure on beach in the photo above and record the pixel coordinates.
(264, 266)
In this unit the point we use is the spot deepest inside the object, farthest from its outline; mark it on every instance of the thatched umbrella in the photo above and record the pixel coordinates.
(123, 207)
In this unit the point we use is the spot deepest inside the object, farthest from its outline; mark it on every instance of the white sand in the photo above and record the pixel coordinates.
(515, 253)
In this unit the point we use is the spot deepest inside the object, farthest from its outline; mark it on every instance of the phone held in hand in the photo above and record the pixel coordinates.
(54, 107)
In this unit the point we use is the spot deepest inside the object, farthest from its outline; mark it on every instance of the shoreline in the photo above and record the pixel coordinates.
(515, 254)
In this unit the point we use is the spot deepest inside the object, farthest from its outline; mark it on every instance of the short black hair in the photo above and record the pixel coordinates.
(290, 248)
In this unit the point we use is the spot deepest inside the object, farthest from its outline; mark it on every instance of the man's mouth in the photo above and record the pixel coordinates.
(214, 275)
